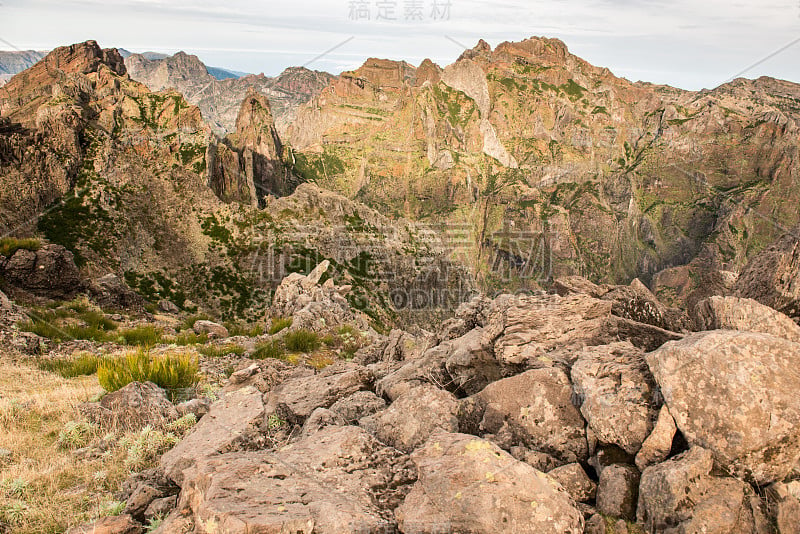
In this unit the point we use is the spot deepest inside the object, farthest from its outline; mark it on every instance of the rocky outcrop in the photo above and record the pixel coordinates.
(132, 407)
(246, 166)
(313, 305)
(467, 484)
(338, 480)
(732, 313)
(771, 277)
(682, 495)
(704, 378)
(616, 393)
(49, 272)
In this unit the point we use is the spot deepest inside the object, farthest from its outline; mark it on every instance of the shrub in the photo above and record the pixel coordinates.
(320, 361)
(279, 324)
(59, 324)
(9, 245)
(84, 364)
(111, 508)
(76, 434)
(172, 372)
(183, 424)
(247, 330)
(270, 349)
(143, 449)
(302, 341)
(141, 336)
(216, 351)
(187, 338)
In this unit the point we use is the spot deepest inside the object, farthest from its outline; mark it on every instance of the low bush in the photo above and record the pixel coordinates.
(173, 372)
(302, 341)
(75, 320)
(279, 324)
(143, 449)
(187, 338)
(247, 330)
(217, 351)
(270, 349)
(141, 336)
(9, 245)
(76, 434)
(84, 364)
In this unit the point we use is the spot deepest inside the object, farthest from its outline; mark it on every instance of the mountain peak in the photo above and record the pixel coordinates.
(83, 58)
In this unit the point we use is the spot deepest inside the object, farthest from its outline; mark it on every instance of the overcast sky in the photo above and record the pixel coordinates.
(686, 43)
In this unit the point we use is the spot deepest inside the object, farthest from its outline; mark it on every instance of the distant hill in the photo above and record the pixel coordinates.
(217, 72)
(219, 92)
(17, 61)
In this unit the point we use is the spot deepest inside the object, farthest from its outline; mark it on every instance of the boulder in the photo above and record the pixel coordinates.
(747, 315)
(214, 330)
(681, 495)
(704, 379)
(338, 480)
(575, 481)
(471, 364)
(616, 393)
(577, 285)
(657, 446)
(319, 419)
(415, 415)
(637, 303)
(618, 491)
(535, 409)
(312, 305)
(467, 484)
(110, 292)
(118, 524)
(167, 306)
(132, 407)
(535, 331)
(48, 272)
(359, 404)
(772, 277)
(236, 421)
(295, 398)
(785, 506)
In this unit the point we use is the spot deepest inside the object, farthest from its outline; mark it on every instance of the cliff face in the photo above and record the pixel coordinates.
(246, 166)
(135, 183)
(220, 100)
(619, 179)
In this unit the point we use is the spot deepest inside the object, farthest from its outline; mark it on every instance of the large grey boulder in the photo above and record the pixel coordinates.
(337, 480)
(132, 407)
(415, 415)
(49, 272)
(616, 391)
(467, 484)
(681, 495)
(234, 422)
(733, 313)
(735, 393)
(295, 398)
(533, 409)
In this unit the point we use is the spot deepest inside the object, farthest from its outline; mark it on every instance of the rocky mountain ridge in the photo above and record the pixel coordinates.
(136, 184)
(219, 100)
(619, 179)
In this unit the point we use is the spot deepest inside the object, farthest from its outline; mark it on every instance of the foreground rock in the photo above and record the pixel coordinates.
(732, 313)
(467, 484)
(533, 331)
(295, 399)
(415, 415)
(131, 408)
(533, 409)
(735, 393)
(233, 423)
(616, 391)
(681, 495)
(121, 524)
(772, 277)
(338, 480)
